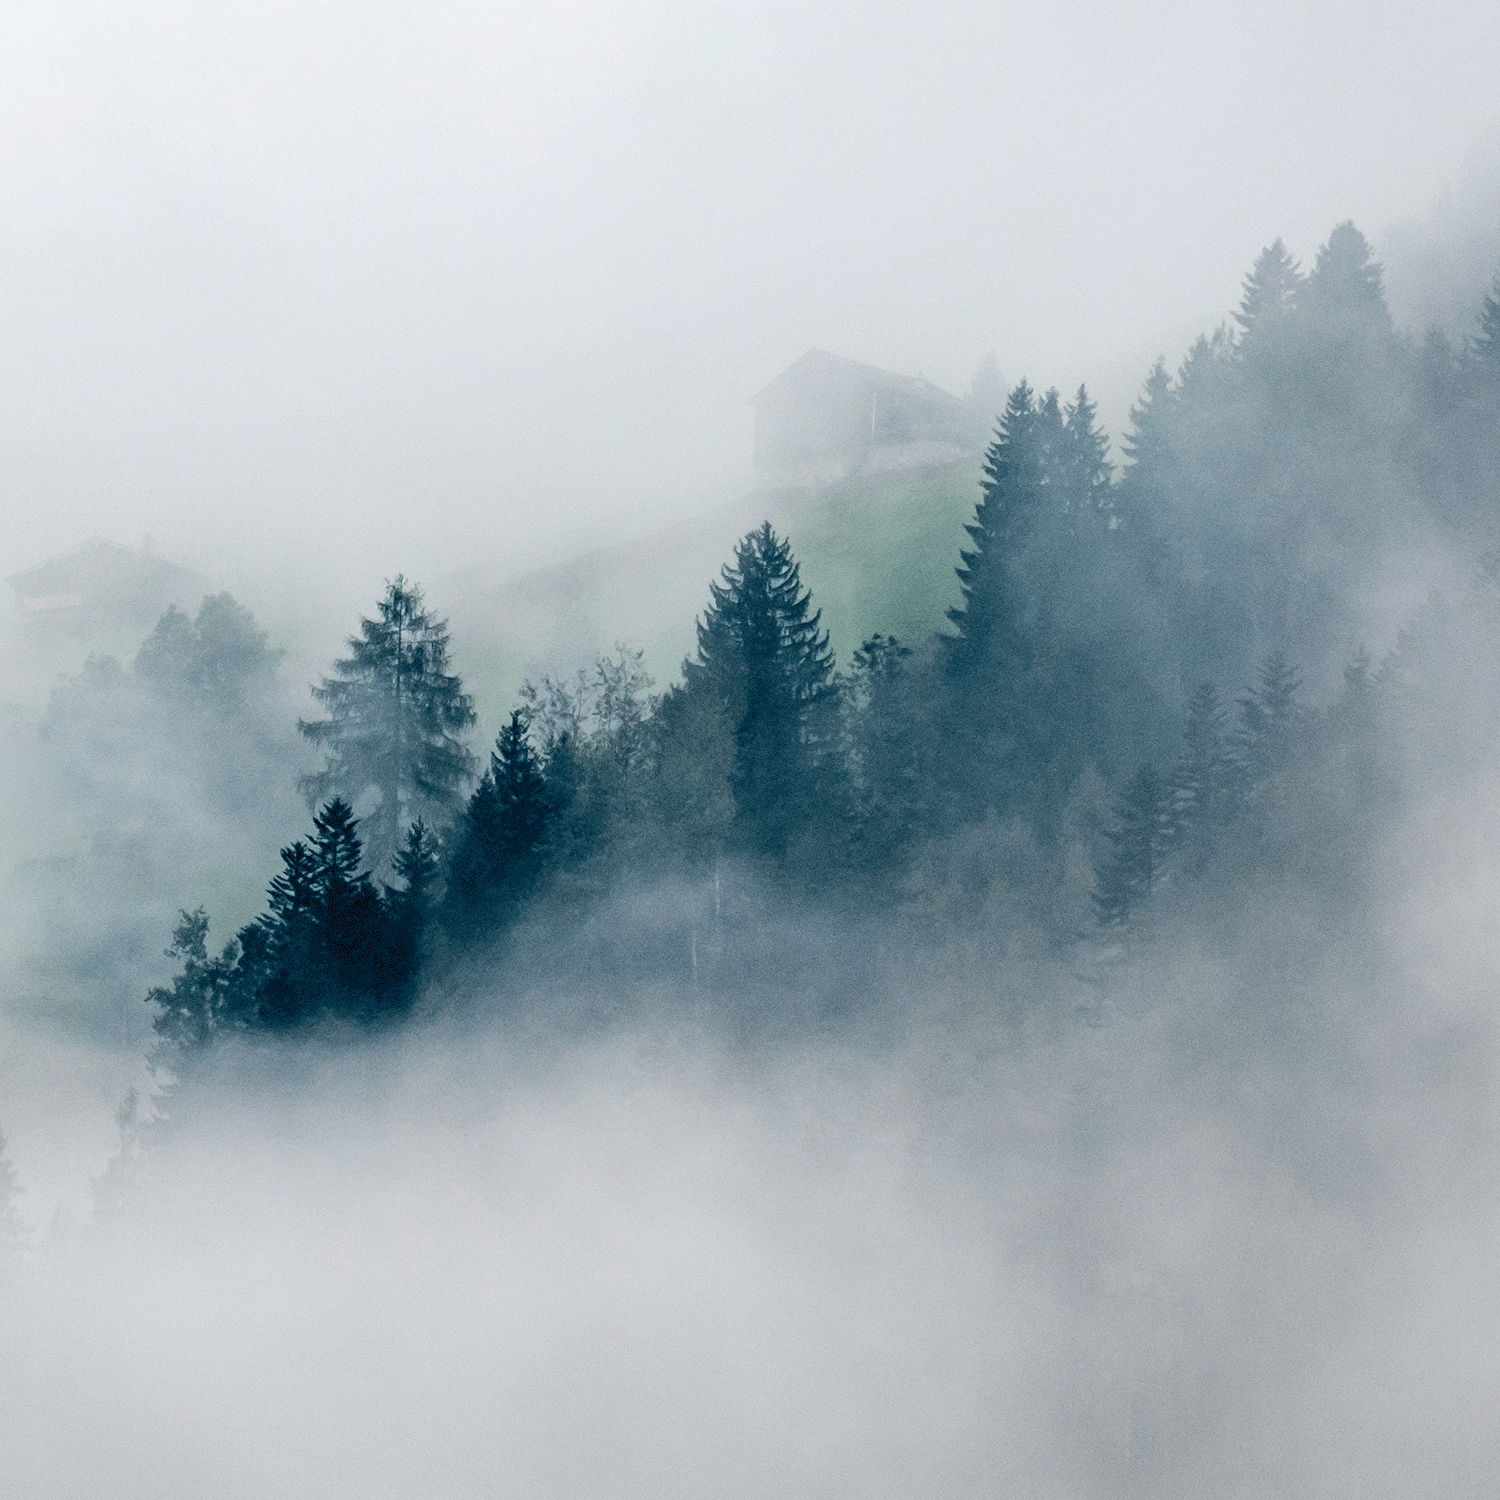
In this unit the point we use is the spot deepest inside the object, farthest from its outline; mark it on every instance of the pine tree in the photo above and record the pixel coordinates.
(409, 907)
(893, 745)
(395, 721)
(988, 624)
(1346, 284)
(497, 857)
(1011, 693)
(347, 915)
(1271, 291)
(200, 998)
(763, 657)
(1269, 718)
(1140, 841)
(1204, 782)
(1086, 471)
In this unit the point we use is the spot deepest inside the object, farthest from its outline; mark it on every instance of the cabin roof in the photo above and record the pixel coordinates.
(820, 367)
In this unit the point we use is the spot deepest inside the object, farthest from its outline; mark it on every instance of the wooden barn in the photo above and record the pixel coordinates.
(826, 417)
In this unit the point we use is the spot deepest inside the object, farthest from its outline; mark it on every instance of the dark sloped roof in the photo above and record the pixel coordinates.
(819, 366)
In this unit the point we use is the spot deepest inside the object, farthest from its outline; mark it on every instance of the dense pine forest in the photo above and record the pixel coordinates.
(1166, 692)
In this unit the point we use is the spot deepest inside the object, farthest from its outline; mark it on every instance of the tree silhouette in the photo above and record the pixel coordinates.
(396, 718)
(764, 657)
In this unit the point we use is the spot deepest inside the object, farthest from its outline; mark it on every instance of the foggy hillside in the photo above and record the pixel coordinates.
(627, 873)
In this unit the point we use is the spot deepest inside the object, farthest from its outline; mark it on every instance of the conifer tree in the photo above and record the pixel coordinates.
(1086, 472)
(1346, 282)
(410, 905)
(763, 657)
(1140, 841)
(1270, 291)
(1205, 779)
(988, 624)
(1269, 719)
(396, 718)
(497, 858)
(200, 997)
(893, 745)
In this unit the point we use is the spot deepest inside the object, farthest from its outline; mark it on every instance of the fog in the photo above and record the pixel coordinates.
(912, 1168)
(269, 269)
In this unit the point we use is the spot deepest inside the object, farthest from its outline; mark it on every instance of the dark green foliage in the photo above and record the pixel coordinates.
(497, 855)
(955, 778)
(328, 945)
(396, 718)
(1040, 681)
(894, 749)
(763, 658)
(1139, 844)
(200, 997)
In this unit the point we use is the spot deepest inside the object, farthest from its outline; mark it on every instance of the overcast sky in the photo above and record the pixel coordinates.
(457, 281)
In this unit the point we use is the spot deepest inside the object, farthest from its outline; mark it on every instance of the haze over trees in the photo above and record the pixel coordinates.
(1151, 700)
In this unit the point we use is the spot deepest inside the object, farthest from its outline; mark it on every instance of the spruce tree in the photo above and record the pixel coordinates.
(893, 743)
(1270, 291)
(1008, 674)
(1139, 843)
(1205, 780)
(988, 626)
(1346, 282)
(396, 717)
(1086, 472)
(763, 657)
(1269, 719)
(497, 856)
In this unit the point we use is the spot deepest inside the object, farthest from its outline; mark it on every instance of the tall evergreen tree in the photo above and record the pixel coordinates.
(1205, 780)
(764, 657)
(1086, 471)
(396, 717)
(1270, 290)
(1346, 282)
(1139, 844)
(497, 856)
(1269, 718)
(894, 750)
(988, 626)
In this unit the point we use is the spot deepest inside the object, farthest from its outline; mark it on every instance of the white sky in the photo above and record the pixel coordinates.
(413, 286)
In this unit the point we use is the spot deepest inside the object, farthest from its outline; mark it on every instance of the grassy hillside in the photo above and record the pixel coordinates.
(878, 554)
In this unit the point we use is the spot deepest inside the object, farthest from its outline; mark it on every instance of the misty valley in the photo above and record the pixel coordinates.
(1045, 1046)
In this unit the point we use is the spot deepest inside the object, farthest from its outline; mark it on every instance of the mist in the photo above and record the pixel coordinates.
(968, 1092)
(269, 270)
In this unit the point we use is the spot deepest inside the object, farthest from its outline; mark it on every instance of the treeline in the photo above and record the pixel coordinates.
(1116, 709)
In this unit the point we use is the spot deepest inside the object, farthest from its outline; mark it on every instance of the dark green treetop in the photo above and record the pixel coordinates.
(764, 656)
